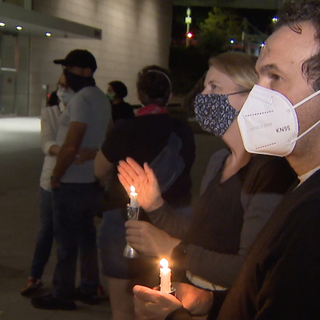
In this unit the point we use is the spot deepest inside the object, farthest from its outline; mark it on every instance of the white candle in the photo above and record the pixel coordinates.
(165, 277)
(133, 197)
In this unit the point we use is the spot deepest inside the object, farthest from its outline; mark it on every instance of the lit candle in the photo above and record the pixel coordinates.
(165, 277)
(133, 197)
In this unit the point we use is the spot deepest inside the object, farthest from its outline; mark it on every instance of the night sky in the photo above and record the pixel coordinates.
(261, 19)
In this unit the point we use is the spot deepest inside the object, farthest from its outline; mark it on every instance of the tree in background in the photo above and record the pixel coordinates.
(188, 65)
(217, 30)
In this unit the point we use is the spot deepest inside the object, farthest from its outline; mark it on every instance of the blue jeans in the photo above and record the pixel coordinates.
(74, 205)
(45, 236)
(111, 240)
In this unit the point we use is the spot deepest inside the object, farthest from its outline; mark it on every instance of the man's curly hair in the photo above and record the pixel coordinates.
(294, 12)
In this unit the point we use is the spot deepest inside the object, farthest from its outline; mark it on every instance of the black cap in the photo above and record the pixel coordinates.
(79, 58)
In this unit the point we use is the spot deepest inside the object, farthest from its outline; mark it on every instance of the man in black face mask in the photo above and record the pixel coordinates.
(74, 189)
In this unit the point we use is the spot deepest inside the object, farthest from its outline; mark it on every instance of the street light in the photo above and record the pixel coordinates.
(188, 21)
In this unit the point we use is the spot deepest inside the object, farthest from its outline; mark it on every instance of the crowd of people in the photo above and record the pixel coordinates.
(248, 247)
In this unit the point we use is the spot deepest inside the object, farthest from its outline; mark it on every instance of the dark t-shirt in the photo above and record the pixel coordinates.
(218, 215)
(143, 138)
(123, 110)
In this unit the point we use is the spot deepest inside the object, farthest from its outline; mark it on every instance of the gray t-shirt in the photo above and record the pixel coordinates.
(91, 106)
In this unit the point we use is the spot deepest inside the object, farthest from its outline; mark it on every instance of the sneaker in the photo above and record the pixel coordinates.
(32, 285)
(86, 298)
(48, 302)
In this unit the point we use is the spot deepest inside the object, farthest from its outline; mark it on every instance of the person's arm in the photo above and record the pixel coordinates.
(167, 219)
(179, 314)
(48, 132)
(68, 150)
(102, 167)
(223, 269)
(85, 154)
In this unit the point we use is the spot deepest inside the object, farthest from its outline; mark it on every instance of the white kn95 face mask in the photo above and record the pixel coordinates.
(268, 122)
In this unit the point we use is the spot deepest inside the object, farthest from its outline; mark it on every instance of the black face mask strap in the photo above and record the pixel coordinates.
(231, 94)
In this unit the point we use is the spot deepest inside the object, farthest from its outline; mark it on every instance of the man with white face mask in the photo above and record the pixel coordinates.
(280, 278)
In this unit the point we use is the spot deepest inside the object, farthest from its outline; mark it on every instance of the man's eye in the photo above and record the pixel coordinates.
(275, 77)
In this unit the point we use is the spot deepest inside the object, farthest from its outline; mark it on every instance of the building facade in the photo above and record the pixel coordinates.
(128, 35)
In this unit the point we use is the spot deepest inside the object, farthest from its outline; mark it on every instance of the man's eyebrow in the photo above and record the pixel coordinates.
(270, 67)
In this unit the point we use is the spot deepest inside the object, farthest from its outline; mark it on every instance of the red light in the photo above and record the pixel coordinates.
(189, 35)
(48, 95)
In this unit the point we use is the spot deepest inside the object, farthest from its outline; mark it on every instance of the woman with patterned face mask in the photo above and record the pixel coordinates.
(239, 191)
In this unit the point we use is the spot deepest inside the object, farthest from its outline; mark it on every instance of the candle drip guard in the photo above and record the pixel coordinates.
(132, 214)
(173, 291)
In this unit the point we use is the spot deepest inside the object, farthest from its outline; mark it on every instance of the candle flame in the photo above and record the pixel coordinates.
(164, 263)
(133, 189)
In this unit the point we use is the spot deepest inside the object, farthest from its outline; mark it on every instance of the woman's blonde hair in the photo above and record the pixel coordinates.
(239, 66)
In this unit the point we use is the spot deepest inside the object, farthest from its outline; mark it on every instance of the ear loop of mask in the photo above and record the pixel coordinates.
(231, 94)
(314, 125)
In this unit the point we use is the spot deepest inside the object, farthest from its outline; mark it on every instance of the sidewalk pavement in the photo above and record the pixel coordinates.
(20, 165)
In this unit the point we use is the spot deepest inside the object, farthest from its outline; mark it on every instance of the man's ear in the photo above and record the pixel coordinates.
(87, 72)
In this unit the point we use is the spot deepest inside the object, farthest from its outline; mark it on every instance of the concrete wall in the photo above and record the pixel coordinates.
(135, 33)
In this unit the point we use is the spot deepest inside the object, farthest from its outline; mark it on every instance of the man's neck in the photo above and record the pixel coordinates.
(302, 165)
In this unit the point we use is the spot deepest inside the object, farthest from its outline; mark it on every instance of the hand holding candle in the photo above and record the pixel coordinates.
(133, 197)
(165, 277)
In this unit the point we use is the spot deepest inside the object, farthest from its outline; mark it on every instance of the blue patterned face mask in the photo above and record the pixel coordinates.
(214, 112)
